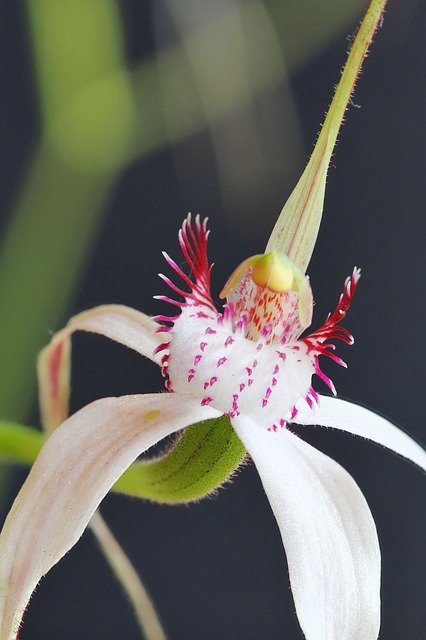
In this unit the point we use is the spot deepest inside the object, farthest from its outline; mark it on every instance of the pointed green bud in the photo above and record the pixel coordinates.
(296, 229)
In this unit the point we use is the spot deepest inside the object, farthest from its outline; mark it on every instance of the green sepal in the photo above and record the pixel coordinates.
(203, 459)
(19, 444)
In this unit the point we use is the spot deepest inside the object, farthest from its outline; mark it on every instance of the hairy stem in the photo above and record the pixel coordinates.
(296, 229)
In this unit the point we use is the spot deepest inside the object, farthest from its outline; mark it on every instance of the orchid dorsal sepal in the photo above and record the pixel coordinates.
(278, 274)
(295, 232)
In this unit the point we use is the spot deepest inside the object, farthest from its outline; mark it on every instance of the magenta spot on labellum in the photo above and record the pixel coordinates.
(274, 382)
(294, 413)
(264, 403)
(197, 359)
(259, 346)
(282, 423)
(242, 386)
(309, 401)
(203, 345)
(221, 361)
(201, 314)
(281, 355)
(229, 340)
(296, 347)
(275, 371)
(249, 371)
(268, 393)
(205, 385)
(206, 400)
(255, 363)
(249, 382)
(213, 380)
(209, 331)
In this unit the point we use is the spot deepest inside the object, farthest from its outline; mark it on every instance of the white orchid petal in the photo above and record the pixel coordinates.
(128, 326)
(117, 322)
(328, 533)
(346, 416)
(77, 466)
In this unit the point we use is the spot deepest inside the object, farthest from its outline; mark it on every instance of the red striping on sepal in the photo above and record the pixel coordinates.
(54, 367)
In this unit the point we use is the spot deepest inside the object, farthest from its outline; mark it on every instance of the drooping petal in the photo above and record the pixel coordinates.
(117, 322)
(75, 469)
(350, 417)
(328, 534)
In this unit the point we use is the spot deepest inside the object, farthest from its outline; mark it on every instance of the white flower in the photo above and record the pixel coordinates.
(250, 363)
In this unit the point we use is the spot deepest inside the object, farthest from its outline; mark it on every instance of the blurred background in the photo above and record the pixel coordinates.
(119, 117)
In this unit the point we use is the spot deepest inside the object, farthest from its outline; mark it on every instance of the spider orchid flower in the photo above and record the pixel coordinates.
(250, 363)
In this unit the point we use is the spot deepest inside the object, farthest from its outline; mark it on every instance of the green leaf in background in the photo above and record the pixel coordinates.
(87, 109)
(19, 444)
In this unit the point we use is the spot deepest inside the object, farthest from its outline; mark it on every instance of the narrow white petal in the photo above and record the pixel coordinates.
(128, 326)
(75, 469)
(328, 534)
(117, 322)
(346, 416)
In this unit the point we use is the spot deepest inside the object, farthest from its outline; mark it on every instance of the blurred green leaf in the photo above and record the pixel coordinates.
(19, 444)
(88, 118)
(305, 27)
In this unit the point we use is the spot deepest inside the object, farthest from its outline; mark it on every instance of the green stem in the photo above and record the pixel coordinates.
(125, 573)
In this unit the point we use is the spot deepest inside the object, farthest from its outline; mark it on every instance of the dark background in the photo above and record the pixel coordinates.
(216, 570)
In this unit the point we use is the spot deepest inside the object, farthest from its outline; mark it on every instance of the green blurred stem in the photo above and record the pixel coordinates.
(19, 444)
(125, 573)
(43, 256)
